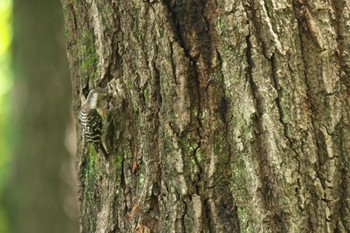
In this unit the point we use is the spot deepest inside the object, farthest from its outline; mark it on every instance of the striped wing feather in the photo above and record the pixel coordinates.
(92, 125)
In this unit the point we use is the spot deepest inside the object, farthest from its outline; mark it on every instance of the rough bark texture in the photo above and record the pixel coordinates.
(39, 194)
(229, 116)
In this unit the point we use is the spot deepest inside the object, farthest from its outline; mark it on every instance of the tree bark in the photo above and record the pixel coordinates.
(229, 116)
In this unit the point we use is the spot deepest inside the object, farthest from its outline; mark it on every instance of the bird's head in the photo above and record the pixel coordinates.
(95, 96)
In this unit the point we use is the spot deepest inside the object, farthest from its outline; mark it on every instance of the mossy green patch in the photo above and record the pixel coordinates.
(220, 27)
(87, 54)
(141, 180)
(145, 95)
(90, 173)
(244, 220)
(117, 161)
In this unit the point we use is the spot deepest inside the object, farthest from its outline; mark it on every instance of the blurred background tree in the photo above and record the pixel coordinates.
(39, 192)
(5, 85)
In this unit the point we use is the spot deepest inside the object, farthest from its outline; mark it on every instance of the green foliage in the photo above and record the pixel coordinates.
(5, 86)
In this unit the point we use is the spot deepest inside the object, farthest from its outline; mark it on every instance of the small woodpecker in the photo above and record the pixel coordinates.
(91, 119)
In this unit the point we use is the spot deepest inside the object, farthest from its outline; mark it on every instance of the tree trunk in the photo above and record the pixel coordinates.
(229, 116)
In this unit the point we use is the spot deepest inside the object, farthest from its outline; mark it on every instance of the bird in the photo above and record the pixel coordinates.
(91, 119)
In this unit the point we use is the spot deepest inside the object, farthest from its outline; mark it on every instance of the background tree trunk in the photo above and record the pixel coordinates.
(40, 193)
(230, 116)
